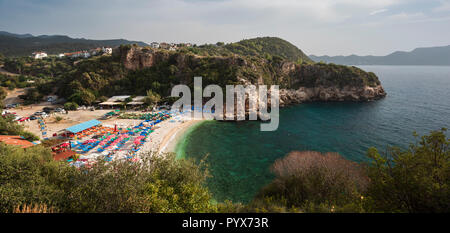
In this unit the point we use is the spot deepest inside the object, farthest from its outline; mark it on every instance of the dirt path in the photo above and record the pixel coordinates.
(2, 71)
(13, 96)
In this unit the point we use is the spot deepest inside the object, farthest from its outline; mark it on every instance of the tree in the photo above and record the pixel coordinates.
(155, 184)
(10, 127)
(3, 95)
(32, 95)
(70, 106)
(412, 180)
(152, 98)
(30, 176)
(83, 97)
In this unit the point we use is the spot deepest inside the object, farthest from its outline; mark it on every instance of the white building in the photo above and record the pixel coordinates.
(85, 54)
(39, 55)
(154, 45)
(107, 50)
(61, 55)
(120, 99)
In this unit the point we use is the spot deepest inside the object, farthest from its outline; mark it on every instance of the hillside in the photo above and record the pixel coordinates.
(15, 45)
(270, 48)
(134, 70)
(439, 56)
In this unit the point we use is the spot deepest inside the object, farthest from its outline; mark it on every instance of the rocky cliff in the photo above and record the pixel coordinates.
(298, 82)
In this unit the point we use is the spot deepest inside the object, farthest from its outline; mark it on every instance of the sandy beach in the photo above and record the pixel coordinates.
(167, 134)
(162, 140)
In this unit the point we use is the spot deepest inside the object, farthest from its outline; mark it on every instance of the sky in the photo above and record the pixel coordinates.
(319, 27)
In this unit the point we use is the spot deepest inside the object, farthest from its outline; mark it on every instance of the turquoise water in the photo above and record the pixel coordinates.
(239, 155)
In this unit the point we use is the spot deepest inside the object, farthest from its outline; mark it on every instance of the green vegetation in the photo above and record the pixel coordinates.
(313, 182)
(159, 184)
(327, 75)
(12, 45)
(3, 94)
(12, 82)
(152, 98)
(268, 60)
(70, 106)
(412, 180)
(10, 127)
(58, 118)
(269, 47)
(415, 180)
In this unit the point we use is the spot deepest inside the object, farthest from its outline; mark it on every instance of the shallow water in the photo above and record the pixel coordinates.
(239, 155)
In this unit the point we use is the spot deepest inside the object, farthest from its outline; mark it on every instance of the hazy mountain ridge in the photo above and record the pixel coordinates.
(24, 44)
(419, 56)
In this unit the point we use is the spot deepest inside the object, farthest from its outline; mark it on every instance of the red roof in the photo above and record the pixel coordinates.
(63, 155)
(15, 140)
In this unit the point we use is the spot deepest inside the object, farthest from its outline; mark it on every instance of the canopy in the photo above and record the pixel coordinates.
(83, 126)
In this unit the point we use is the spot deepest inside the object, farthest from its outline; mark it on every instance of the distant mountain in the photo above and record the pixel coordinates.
(23, 45)
(3, 33)
(439, 56)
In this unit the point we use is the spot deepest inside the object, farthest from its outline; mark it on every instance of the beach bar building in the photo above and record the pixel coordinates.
(117, 101)
(77, 129)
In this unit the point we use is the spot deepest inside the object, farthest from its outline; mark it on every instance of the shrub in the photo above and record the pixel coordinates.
(311, 181)
(70, 106)
(156, 184)
(412, 180)
(29, 136)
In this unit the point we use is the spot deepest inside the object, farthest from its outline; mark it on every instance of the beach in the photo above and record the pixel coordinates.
(167, 134)
(163, 139)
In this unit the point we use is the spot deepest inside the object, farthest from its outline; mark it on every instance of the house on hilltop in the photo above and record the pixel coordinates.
(84, 54)
(39, 55)
(164, 45)
(107, 50)
(154, 45)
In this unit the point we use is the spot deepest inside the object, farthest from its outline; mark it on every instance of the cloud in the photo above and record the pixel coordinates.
(444, 6)
(317, 26)
(378, 11)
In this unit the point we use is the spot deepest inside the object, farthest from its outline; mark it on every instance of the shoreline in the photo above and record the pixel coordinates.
(173, 137)
(167, 135)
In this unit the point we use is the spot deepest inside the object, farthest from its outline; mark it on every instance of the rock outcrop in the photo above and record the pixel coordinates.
(298, 82)
(347, 93)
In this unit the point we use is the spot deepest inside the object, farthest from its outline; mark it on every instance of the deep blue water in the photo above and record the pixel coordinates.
(239, 155)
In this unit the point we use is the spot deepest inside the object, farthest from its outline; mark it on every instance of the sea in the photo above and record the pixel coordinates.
(239, 155)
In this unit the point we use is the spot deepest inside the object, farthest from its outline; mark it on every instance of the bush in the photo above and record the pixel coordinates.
(70, 106)
(412, 180)
(156, 184)
(311, 181)
(29, 136)
(30, 176)
(10, 127)
(32, 96)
